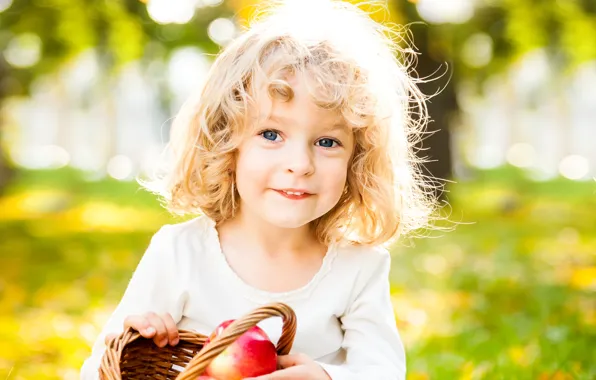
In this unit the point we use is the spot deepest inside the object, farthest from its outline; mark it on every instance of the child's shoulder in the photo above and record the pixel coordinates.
(193, 235)
(364, 270)
(364, 252)
(364, 259)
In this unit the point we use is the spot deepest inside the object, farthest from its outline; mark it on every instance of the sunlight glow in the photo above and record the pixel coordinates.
(23, 50)
(210, 3)
(568, 236)
(574, 167)
(487, 157)
(521, 155)
(478, 50)
(186, 69)
(70, 374)
(441, 11)
(120, 167)
(435, 264)
(171, 12)
(416, 317)
(62, 325)
(88, 332)
(5, 4)
(44, 157)
(221, 30)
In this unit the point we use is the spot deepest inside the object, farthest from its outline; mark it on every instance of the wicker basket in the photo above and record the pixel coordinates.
(131, 356)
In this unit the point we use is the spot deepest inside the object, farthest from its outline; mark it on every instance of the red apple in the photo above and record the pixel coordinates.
(252, 354)
(203, 377)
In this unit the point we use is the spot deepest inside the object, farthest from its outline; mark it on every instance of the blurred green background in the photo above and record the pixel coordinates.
(87, 92)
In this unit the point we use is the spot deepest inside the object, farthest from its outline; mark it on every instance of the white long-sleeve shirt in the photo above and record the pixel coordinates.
(345, 319)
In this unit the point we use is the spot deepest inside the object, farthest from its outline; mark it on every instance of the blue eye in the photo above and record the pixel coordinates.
(327, 143)
(270, 135)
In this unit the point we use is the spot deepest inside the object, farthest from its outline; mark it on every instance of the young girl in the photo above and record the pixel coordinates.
(298, 159)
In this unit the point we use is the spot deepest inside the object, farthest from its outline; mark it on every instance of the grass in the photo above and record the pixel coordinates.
(509, 294)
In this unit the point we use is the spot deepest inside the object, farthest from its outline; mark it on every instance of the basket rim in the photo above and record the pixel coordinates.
(110, 362)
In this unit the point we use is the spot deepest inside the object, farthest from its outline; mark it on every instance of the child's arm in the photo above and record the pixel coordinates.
(372, 341)
(154, 287)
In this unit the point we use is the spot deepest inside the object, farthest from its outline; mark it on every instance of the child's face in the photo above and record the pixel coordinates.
(299, 148)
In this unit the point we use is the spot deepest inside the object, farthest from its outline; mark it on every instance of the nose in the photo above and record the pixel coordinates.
(300, 161)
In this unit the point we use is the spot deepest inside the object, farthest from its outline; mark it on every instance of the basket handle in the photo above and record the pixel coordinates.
(201, 360)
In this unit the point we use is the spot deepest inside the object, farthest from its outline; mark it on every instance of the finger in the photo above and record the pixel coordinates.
(109, 337)
(141, 324)
(161, 334)
(291, 360)
(171, 329)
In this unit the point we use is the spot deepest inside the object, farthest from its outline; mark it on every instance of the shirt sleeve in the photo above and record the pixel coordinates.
(374, 349)
(154, 286)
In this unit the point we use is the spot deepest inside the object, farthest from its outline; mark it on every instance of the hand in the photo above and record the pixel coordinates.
(295, 367)
(161, 328)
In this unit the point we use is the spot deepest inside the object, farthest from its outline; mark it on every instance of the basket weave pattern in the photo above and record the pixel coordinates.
(131, 356)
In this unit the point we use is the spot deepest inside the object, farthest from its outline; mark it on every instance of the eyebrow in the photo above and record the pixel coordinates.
(278, 119)
(281, 120)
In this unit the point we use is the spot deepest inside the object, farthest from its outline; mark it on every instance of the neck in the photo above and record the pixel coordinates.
(258, 235)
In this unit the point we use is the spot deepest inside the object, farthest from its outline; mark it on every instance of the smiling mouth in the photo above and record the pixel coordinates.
(294, 194)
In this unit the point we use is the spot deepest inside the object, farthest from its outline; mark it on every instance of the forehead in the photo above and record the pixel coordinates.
(299, 108)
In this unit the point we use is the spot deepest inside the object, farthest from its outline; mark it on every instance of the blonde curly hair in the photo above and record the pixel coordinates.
(356, 67)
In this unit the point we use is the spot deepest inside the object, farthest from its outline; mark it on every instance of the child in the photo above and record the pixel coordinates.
(297, 156)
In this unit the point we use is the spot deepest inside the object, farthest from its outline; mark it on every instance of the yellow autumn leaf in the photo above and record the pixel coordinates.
(467, 371)
(584, 278)
(518, 355)
(418, 376)
(110, 217)
(32, 204)
(558, 375)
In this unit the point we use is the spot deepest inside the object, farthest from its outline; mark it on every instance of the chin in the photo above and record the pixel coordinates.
(289, 222)
(282, 216)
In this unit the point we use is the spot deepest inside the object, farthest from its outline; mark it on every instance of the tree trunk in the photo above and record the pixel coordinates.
(436, 145)
(7, 172)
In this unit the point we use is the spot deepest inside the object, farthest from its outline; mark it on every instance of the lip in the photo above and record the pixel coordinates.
(304, 194)
(292, 190)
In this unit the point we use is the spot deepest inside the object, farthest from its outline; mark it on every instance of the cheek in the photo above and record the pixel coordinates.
(335, 183)
(251, 170)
